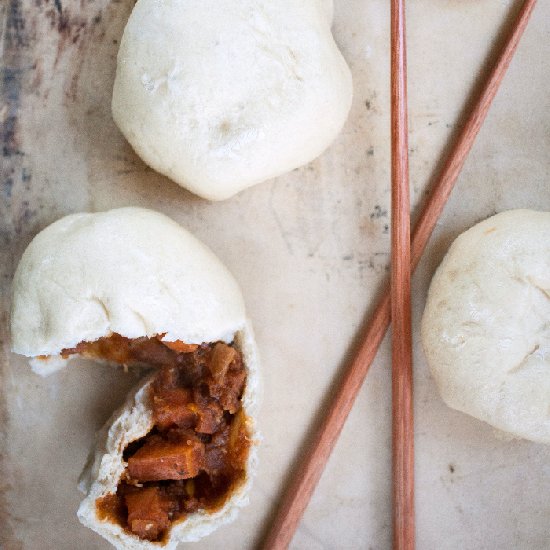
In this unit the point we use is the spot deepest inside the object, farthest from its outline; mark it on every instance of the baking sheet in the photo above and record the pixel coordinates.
(309, 249)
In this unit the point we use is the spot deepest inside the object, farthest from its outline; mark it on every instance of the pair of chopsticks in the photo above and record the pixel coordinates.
(306, 476)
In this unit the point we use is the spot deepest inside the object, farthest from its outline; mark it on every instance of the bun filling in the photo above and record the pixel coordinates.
(195, 455)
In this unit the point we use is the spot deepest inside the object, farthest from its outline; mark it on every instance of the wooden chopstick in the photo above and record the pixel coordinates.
(305, 477)
(400, 291)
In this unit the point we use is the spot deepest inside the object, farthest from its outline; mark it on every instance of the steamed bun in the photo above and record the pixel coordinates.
(219, 96)
(486, 326)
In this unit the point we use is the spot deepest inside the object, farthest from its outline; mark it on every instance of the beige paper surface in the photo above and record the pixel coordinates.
(310, 251)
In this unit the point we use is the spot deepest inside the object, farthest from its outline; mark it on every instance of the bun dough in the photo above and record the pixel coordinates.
(131, 271)
(133, 421)
(219, 96)
(486, 326)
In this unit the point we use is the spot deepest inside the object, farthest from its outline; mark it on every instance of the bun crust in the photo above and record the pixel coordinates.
(486, 326)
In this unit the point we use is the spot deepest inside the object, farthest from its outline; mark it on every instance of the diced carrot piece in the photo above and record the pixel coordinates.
(159, 460)
(180, 347)
(147, 512)
(173, 407)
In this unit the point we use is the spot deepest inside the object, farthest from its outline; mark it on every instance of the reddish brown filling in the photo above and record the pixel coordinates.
(195, 455)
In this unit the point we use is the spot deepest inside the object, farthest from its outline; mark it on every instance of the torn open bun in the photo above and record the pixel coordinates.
(209, 481)
(132, 287)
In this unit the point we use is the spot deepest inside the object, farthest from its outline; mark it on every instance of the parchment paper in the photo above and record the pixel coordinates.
(310, 251)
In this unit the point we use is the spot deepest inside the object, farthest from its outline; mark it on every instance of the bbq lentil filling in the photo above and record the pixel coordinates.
(196, 453)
